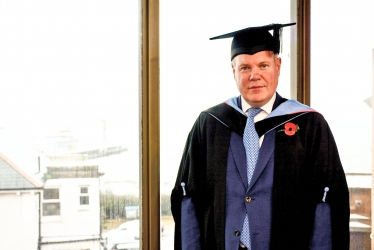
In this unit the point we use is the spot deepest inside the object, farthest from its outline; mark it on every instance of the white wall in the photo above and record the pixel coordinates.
(19, 224)
(73, 246)
(76, 222)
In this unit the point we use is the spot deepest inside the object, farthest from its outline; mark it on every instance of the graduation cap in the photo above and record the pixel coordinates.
(255, 39)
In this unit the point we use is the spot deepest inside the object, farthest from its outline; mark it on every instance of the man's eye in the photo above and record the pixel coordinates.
(264, 66)
(245, 68)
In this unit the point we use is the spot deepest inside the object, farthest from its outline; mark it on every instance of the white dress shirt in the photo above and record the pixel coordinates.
(266, 109)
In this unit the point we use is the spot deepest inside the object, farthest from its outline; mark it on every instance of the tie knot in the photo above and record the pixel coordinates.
(252, 112)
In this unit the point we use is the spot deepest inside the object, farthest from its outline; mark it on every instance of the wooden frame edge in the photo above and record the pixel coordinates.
(303, 51)
(150, 125)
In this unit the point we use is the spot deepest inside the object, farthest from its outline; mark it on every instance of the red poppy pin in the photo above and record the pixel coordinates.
(290, 128)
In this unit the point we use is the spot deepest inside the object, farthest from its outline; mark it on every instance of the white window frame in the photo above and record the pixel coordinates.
(46, 201)
(84, 195)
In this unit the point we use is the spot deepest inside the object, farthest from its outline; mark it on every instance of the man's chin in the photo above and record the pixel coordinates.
(255, 102)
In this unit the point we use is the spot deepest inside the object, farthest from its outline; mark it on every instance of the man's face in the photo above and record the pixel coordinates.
(256, 76)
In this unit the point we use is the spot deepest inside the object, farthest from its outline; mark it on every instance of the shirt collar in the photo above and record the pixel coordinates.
(267, 107)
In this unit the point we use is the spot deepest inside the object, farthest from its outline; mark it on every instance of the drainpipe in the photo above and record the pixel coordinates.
(372, 193)
(40, 222)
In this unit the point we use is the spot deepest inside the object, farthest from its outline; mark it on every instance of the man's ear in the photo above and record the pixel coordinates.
(233, 69)
(278, 64)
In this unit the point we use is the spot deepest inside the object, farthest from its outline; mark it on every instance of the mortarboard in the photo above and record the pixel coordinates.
(255, 39)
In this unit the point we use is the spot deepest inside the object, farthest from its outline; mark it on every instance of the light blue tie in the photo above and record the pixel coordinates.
(251, 145)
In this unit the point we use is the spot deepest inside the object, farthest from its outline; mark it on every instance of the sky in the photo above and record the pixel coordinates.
(342, 66)
(69, 65)
(74, 64)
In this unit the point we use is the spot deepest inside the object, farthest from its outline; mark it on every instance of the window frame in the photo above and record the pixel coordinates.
(150, 105)
(150, 125)
(50, 201)
(81, 194)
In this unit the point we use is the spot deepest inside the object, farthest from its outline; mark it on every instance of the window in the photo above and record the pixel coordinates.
(70, 119)
(341, 89)
(51, 202)
(202, 76)
(84, 198)
(50, 194)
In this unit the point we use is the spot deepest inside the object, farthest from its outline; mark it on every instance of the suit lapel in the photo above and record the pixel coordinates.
(267, 147)
(238, 150)
(238, 153)
(264, 155)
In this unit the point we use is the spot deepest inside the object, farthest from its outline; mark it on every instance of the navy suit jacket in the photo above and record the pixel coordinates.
(259, 191)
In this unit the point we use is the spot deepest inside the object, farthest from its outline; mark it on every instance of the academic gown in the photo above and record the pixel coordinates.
(304, 164)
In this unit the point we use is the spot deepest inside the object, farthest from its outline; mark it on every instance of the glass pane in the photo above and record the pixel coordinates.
(342, 43)
(51, 194)
(69, 127)
(195, 73)
(84, 200)
(84, 190)
(51, 208)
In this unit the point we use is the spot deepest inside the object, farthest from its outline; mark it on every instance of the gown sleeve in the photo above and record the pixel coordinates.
(189, 226)
(187, 232)
(334, 211)
(321, 238)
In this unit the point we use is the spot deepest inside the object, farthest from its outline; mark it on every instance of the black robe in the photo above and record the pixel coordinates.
(305, 164)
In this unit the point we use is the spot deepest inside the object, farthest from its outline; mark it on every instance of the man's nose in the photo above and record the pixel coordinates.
(254, 75)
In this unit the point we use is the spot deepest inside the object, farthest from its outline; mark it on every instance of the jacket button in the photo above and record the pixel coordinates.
(237, 233)
(248, 199)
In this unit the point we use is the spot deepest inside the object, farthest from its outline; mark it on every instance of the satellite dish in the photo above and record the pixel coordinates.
(368, 101)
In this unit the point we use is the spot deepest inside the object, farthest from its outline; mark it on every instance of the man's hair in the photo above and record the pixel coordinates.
(270, 53)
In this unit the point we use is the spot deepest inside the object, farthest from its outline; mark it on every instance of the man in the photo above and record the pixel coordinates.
(260, 171)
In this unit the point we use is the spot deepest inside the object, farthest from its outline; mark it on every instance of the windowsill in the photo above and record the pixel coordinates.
(84, 208)
(53, 218)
